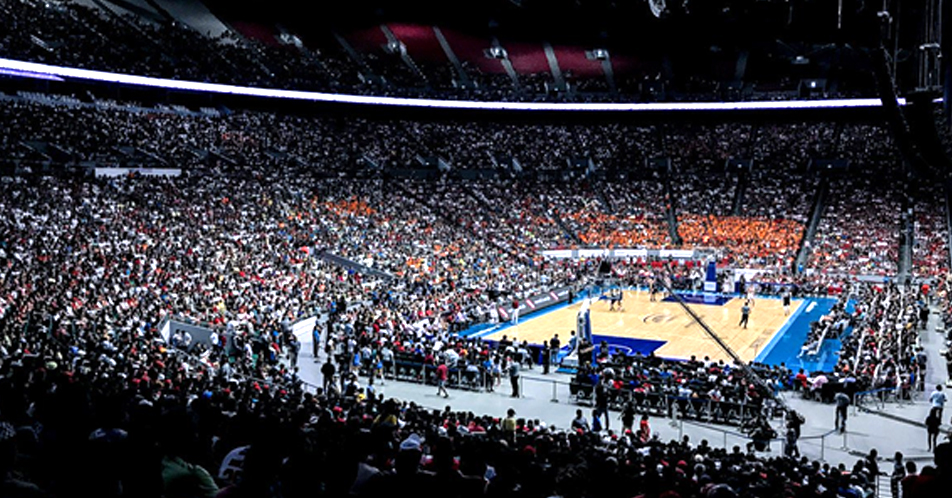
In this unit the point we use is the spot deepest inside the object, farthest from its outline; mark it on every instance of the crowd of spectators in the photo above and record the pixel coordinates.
(859, 231)
(930, 251)
(711, 386)
(404, 227)
(240, 252)
(780, 201)
(89, 267)
(745, 241)
(196, 438)
(609, 147)
(880, 338)
(742, 188)
(519, 214)
(832, 326)
(628, 214)
(94, 401)
(755, 217)
(72, 34)
(444, 265)
(777, 194)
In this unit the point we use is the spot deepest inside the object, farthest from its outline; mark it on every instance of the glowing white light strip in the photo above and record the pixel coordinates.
(29, 74)
(86, 74)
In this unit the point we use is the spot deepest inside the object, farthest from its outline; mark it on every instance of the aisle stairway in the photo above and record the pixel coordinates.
(816, 213)
(404, 56)
(193, 14)
(906, 239)
(671, 211)
(355, 58)
(553, 65)
(739, 191)
(451, 55)
(352, 265)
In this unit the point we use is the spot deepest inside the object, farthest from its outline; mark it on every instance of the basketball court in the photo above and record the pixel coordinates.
(665, 328)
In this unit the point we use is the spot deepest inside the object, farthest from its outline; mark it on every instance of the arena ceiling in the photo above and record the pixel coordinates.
(782, 39)
(702, 21)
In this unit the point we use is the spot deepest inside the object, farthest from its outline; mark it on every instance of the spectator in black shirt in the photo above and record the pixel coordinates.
(328, 370)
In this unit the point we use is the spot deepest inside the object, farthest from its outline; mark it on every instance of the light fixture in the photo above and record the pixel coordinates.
(219, 88)
(657, 7)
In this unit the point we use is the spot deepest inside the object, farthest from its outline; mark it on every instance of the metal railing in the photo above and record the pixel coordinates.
(659, 404)
(422, 373)
(725, 433)
(877, 399)
(655, 404)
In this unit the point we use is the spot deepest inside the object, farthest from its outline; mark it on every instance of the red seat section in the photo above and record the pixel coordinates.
(367, 40)
(625, 64)
(472, 49)
(421, 42)
(527, 58)
(574, 59)
(254, 31)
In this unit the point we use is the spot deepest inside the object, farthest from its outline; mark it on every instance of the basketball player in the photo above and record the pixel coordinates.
(652, 289)
(614, 297)
(786, 301)
(621, 297)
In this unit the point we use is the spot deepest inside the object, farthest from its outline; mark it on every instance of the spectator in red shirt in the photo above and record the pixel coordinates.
(442, 373)
(800, 380)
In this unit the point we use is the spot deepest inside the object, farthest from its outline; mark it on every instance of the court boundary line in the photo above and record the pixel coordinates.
(530, 316)
(772, 343)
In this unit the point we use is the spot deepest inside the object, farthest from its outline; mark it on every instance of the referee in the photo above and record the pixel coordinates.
(744, 314)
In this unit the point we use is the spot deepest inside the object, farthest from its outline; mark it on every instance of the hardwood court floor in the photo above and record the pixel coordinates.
(665, 321)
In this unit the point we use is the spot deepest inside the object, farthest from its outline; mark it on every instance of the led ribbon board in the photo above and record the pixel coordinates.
(51, 72)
